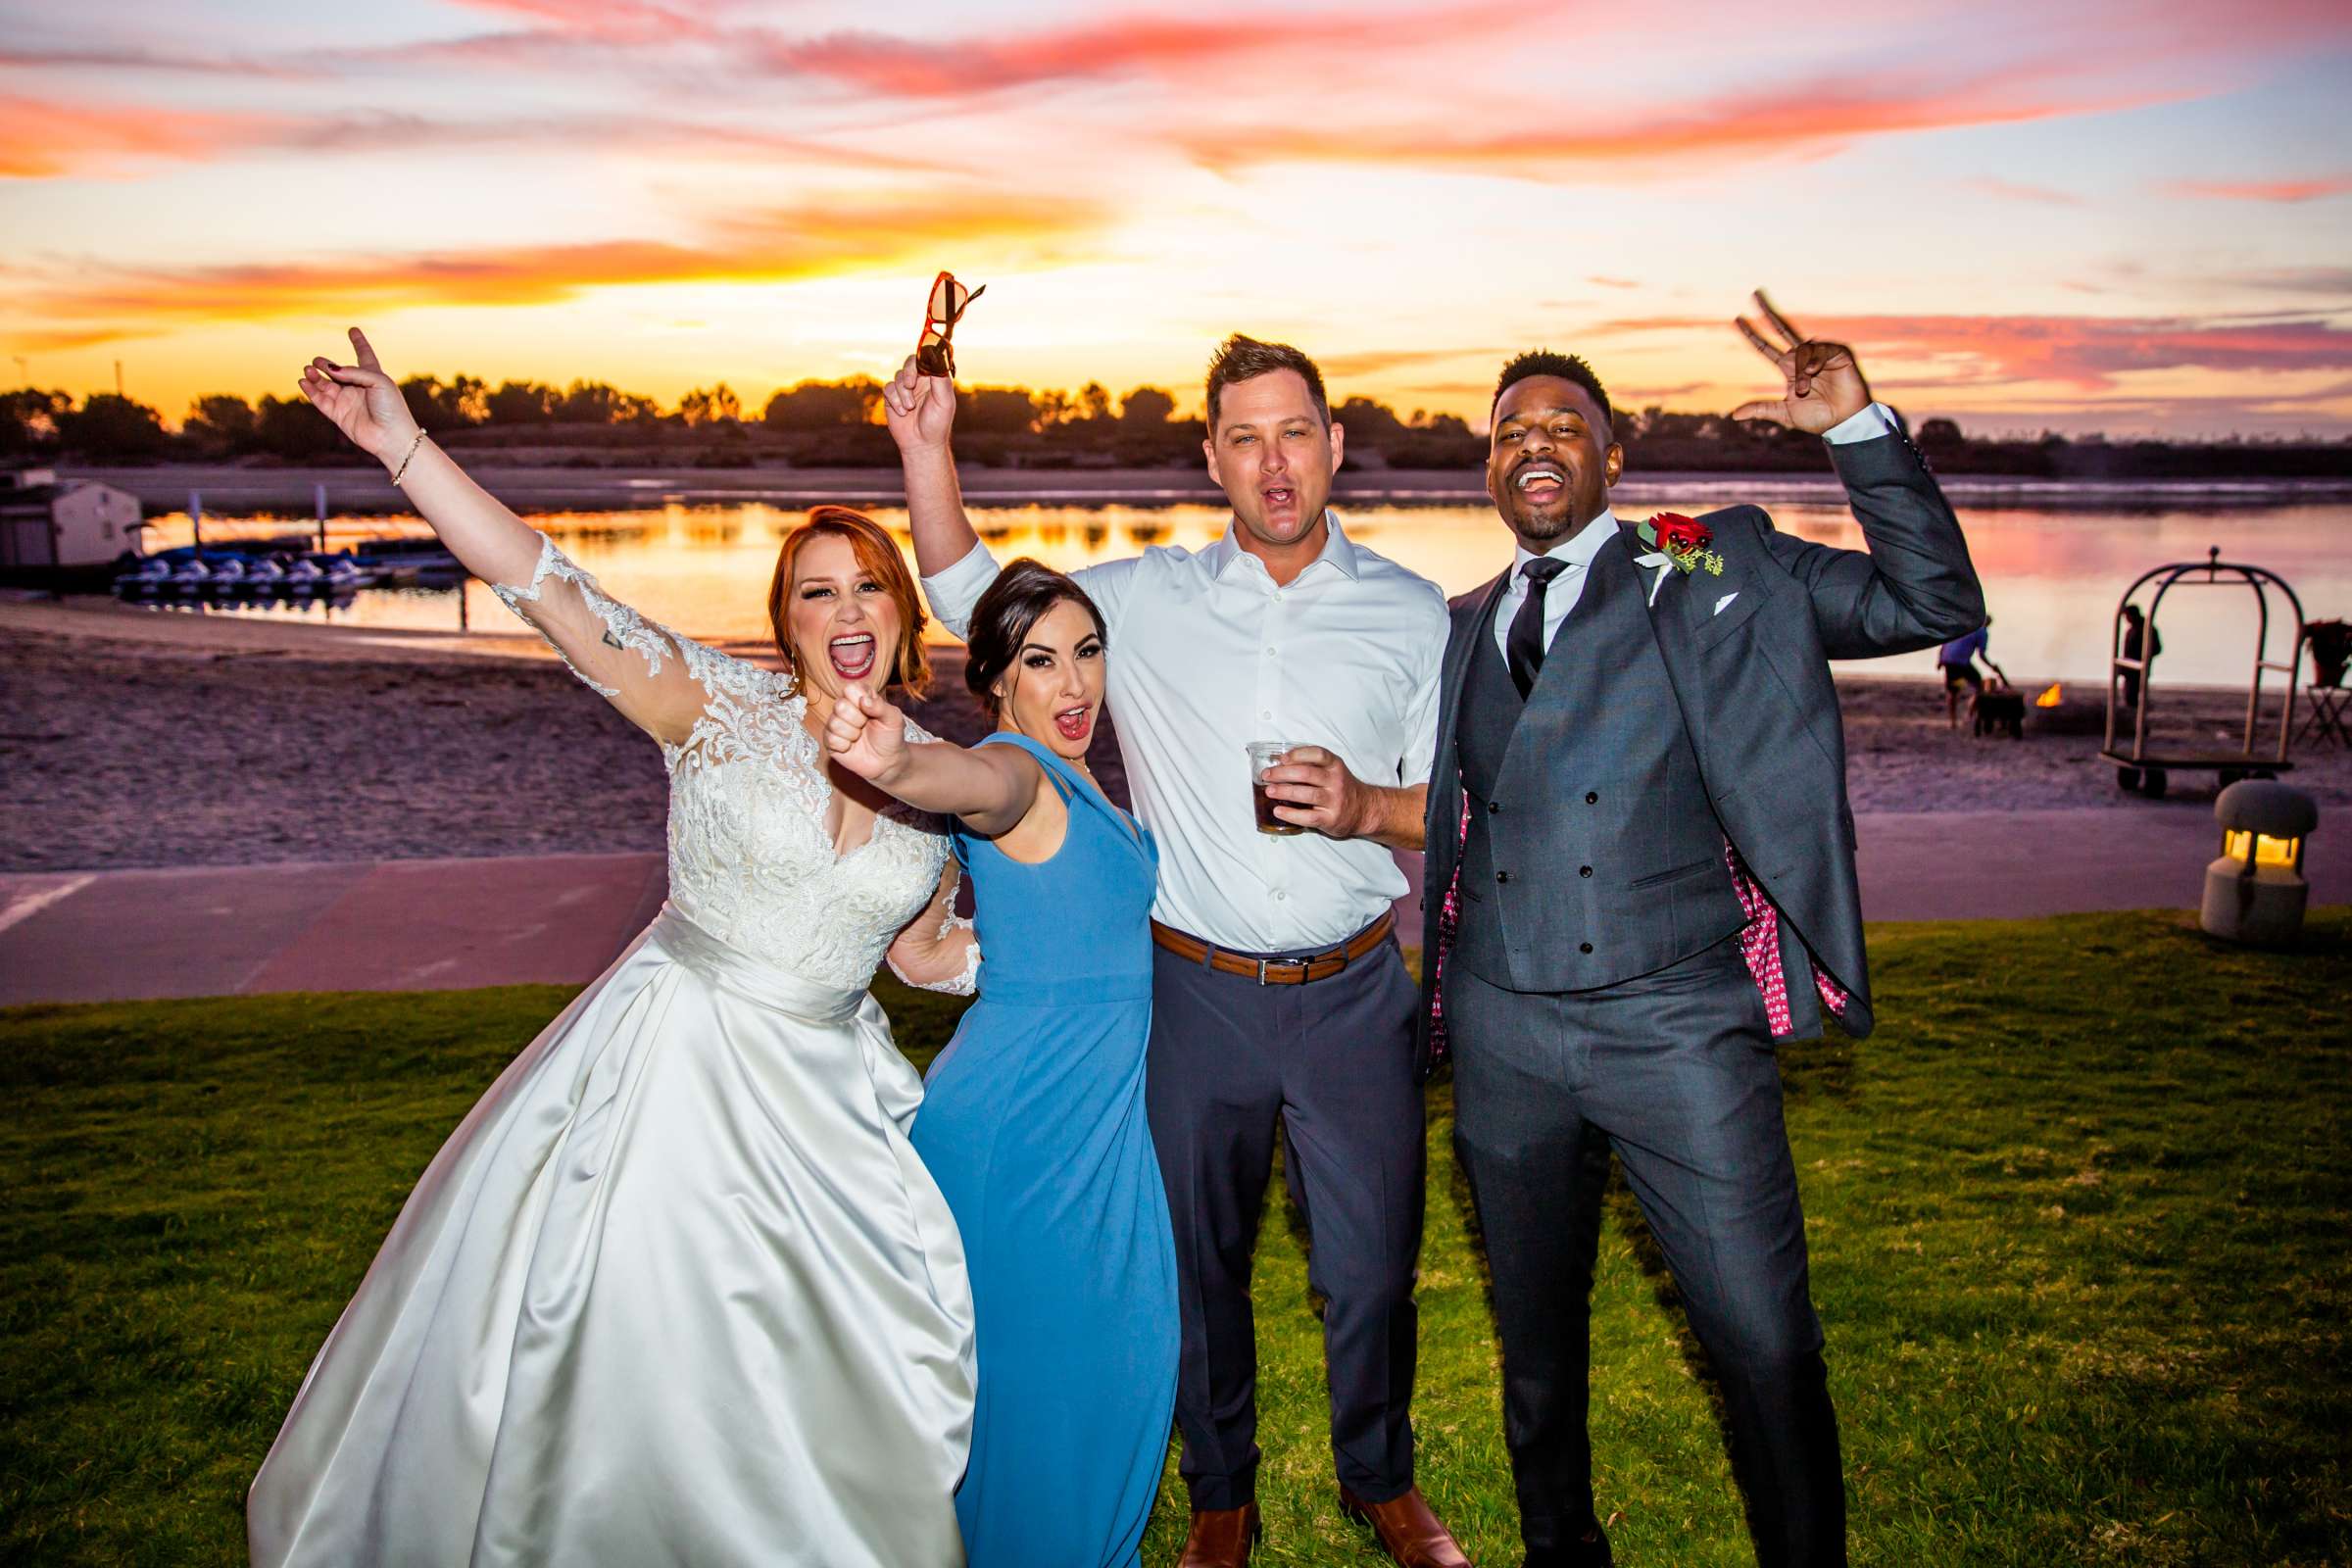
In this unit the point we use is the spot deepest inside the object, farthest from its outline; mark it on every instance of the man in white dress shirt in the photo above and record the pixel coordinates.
(1280, 1000)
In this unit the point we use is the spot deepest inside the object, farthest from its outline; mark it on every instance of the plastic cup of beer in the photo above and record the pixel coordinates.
(1262, 756)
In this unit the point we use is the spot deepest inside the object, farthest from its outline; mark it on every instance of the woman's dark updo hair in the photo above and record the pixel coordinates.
(1016, 601)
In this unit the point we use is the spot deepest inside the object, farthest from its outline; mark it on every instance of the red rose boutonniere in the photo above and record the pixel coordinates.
(1682, 541)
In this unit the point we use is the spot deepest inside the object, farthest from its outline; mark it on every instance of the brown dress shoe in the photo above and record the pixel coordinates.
(1408, 1531)
(1221, 1538)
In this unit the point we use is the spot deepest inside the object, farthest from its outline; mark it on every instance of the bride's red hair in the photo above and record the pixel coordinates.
(878, 553)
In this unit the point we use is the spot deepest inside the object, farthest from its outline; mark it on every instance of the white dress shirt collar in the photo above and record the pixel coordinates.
(1577, 550)
(1338, 549)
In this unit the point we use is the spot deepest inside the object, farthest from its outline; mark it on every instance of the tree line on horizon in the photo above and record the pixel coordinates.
(838, 424)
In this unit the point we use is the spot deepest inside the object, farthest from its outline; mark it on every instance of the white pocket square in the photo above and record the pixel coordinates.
(1724, 600)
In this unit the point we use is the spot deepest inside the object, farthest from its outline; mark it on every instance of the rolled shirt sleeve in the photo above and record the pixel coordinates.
(955, 592)
(952, 593)
(1421, 711)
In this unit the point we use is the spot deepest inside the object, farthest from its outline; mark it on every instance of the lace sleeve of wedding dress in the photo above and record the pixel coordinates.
(660, 682)
(939, 951)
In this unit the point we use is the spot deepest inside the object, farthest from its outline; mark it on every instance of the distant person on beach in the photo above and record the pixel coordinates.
(2138, 634)
(1640, 868)
(1281, 1005)
(679, 1289)
(1957, 662)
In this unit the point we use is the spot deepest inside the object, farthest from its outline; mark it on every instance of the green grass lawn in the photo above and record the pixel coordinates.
(2079, 1219)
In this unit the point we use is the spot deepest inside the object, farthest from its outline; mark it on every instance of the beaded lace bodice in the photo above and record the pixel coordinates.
(750, 860)
(750, 857)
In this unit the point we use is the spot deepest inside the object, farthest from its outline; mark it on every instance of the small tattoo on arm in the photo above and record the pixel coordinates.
(612, 641)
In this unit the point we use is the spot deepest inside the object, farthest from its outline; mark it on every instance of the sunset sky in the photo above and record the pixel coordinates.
(2096, 215)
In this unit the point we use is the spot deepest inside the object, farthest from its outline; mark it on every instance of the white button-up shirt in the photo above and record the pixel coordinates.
(1208, 654)
(1579, 549)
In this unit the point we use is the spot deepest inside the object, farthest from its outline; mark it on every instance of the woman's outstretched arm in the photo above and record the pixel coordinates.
(654, 678)
(491, 542)
(991, 788)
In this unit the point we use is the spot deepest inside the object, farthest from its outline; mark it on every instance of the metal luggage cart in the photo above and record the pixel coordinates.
(2139, 769)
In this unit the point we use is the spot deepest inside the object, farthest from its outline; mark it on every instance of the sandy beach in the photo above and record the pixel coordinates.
(140, 739)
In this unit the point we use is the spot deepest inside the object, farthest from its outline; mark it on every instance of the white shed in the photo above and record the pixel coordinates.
(79, 522)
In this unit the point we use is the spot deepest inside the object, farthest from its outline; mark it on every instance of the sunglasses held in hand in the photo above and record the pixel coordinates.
(934, 353)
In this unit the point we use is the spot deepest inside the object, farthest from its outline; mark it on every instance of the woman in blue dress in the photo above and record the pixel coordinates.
(1033, 1117)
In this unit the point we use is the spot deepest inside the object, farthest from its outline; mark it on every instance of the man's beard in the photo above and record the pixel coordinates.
(1528, 524)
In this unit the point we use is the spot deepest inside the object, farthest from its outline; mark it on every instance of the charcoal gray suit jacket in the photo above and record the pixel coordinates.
(1753, 681)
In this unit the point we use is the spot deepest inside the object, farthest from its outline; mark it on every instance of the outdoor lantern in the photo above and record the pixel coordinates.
(2255, 892)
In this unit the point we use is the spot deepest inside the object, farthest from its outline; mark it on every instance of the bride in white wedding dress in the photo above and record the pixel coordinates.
(677, 1289)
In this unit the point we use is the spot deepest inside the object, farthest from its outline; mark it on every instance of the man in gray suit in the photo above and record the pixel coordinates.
(1642, 874)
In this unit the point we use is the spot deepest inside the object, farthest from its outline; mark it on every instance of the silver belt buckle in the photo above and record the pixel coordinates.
(1261, 971)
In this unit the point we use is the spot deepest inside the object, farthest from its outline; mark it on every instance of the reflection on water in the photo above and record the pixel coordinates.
(2052, 573)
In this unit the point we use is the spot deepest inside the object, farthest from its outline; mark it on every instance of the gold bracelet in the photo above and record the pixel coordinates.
(408, 456)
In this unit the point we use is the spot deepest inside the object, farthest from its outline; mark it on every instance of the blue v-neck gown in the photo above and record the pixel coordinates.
(1033, 1126)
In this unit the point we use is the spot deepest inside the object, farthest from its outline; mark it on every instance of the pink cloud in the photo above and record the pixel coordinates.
(109, 56)
(372, 133)
(2086, 352)
(1374, 362)
(611, 21)
(590, 16)
(41, 139)
(2297, 280)
(1629, 396)
(2010, 190)
(1117, 46)
(2090, 352)
(2263, 190)
(1801, 119)
(45, 139)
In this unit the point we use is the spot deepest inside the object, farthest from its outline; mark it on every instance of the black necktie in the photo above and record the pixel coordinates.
(1523, 649)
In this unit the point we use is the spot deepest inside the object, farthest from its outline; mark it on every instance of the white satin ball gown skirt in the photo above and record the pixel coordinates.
(676, 1291)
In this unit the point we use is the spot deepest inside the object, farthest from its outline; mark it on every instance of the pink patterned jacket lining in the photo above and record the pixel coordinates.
(1759, 945)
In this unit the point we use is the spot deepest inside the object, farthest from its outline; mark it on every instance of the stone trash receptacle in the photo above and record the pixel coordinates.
(2255, 892)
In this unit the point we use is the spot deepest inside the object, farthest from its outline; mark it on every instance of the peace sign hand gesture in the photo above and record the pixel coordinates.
(362, 400)
(1825, 385)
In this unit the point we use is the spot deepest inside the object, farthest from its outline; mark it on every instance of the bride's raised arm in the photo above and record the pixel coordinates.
(644, 671)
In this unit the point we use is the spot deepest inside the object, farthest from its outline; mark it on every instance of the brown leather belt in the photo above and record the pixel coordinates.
(1275, 971)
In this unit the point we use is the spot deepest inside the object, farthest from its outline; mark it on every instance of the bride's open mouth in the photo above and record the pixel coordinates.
(1075, 723)
(853, 654)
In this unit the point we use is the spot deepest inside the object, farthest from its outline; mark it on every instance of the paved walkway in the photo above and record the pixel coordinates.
(406, 925)
(387, 925)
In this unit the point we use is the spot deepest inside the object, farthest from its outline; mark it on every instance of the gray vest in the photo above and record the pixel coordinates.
(1593, 855)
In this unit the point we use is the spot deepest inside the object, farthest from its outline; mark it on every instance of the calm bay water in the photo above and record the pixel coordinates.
(2053, 567)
